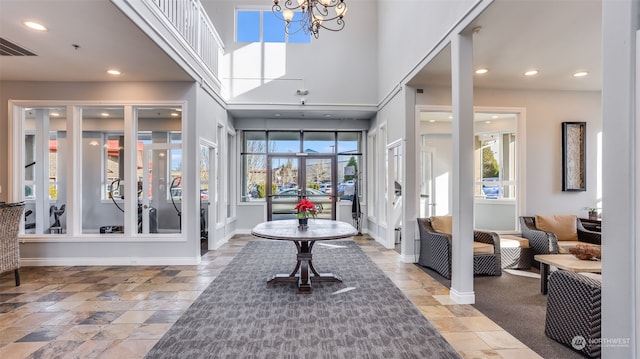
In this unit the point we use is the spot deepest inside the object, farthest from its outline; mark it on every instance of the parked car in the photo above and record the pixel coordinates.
(312, 194)
(326, 188)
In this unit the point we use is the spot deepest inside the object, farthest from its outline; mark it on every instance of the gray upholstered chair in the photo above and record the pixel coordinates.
(545, 242)
(574, 311)
(435, 251)
(10, 216)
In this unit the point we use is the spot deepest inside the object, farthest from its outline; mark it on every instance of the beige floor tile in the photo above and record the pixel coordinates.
(501, 340)
(130, 348)
(448, 324)
(150, 331)
(11, 334)
(81, 332)
(444, 299)
(435, 311)
(465, 341)
(480, 354)
(134, 316)
(89, 349)
(480, 324)
(20, 350)
(518, 354)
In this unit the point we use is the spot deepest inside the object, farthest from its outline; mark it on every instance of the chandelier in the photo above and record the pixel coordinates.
(314, 15)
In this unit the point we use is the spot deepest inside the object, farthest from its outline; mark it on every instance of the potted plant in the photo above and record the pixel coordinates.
(593, 212)
(305, 209)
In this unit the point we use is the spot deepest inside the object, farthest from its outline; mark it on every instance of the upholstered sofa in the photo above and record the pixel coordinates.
(435, 248)
(555, 233)
(574, 311)
(10, 216)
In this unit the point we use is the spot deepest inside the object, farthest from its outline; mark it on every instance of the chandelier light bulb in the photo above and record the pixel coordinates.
(287, 15)
(341, 9)
(325, 2)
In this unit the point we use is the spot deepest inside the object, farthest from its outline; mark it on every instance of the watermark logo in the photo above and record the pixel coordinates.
(578, 342)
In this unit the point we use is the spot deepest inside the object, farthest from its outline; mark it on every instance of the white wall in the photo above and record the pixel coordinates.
(338, 68)
(545, 112)
(408, 30)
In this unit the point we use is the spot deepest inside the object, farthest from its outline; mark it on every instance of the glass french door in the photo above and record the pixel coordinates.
(291, 178)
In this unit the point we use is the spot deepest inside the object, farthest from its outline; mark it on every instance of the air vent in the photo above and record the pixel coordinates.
(8, 48)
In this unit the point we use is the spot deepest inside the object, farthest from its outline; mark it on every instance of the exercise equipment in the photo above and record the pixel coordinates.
(153, 215)
(56, 212)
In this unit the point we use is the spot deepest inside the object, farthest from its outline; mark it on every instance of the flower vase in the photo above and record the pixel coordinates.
(303, 224)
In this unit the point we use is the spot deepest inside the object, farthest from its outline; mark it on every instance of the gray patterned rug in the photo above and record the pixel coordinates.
(240, 316)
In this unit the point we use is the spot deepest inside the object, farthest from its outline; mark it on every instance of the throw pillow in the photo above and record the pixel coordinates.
(563, 226)
(442, 224)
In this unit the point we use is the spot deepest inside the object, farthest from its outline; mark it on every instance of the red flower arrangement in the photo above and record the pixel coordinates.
(306, 209)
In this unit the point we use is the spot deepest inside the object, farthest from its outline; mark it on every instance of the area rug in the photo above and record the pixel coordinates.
(241, 316)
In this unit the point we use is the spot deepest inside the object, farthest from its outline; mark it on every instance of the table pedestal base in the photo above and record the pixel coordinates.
(304, 264)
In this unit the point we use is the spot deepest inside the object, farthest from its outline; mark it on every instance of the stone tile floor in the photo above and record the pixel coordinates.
(122, 311)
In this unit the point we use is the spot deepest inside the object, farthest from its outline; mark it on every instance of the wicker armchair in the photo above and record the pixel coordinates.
(546, 242)
(574, 311)
(10, 216)
(435, 251)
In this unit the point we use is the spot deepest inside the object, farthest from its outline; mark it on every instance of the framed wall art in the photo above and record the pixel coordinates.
(574, 155)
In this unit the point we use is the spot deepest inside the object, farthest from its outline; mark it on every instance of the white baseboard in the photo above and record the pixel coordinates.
(112, 261)
(462, 297)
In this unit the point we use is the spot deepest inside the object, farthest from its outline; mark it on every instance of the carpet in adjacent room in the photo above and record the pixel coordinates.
(514, 302)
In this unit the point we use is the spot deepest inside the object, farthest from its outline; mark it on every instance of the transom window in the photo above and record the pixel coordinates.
(265, 26)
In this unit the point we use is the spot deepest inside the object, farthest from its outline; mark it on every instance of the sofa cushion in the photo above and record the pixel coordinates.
(442, 224)
(564, 226)
(482, 248)
(511, 241)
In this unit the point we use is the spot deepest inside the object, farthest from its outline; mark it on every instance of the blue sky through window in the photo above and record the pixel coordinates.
(273, 29)
(248, 23)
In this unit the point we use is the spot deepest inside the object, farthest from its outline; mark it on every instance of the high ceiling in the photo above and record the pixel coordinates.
(555, 37)
(104, 36)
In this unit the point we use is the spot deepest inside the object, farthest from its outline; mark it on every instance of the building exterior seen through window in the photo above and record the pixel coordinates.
(283, 162)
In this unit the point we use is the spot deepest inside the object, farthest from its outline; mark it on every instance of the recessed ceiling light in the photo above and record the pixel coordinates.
(432, 120)
(531, 73)
(494, 116)
(276, 115)
(104, 114)
(113, 72)
(174, 114)
(54, 114)
(487, 121)
(34, 25)
(327, 115)
(580, 74)
(179, 109)
(482, 71)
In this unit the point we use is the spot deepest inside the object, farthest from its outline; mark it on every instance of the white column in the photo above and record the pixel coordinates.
(462, 109)
(620, 155)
